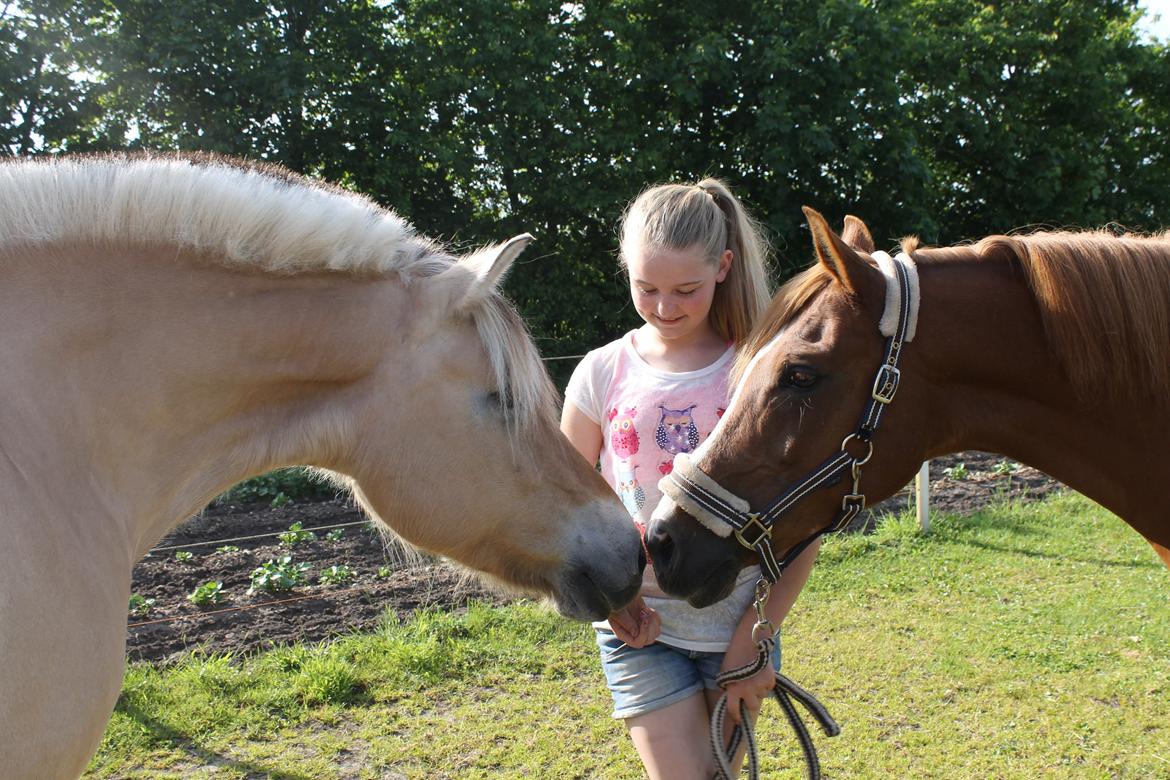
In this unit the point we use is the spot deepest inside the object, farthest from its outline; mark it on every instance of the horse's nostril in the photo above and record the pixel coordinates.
(659, 544)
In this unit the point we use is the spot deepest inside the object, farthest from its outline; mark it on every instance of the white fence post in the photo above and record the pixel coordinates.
(922, 496)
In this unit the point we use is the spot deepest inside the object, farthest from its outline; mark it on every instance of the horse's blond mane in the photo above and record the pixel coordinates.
(257, 216)
(245, 214)
(1104, 303)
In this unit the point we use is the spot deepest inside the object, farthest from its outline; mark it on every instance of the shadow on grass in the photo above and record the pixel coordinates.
(1030, 553)
(168, 735)
(999, 518)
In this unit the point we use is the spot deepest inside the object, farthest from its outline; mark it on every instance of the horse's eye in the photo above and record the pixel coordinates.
(801, 377)
(495, 399)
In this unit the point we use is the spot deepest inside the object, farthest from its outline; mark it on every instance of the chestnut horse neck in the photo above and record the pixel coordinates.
(1053, 351)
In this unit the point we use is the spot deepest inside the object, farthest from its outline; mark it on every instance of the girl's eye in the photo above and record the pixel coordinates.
(801, 377)
(647, 290)
(685, 293)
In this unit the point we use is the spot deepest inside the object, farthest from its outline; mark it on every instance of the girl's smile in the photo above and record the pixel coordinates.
(672, 289)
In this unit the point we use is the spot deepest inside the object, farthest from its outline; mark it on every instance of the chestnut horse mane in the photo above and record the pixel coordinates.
(1104, 302)
(788, 302)
(259, 216)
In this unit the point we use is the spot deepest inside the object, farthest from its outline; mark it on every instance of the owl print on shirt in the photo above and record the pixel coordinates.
(623, 440)
(623, 436)
(629, 491)
(676, 430)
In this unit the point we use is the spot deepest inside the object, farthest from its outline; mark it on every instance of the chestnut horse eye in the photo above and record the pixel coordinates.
(801, 377)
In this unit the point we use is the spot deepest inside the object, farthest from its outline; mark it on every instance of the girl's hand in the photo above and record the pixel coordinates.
(637, 625)
(754, 689)
(752, 692)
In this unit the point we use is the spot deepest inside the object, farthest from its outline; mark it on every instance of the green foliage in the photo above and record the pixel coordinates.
(279, 487)
(278, 576)
(336, 575)
(1006, 468)
(140, 606)
(296, 535)
(325, 679)
(336, 535)
(184, 556)
(207, 594)
(950, 119)
(957, 472)
(227, 548)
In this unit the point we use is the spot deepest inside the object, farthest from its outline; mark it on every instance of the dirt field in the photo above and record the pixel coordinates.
(382, 579)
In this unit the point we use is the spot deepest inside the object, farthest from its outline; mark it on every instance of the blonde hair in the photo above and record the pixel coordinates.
(706, 214)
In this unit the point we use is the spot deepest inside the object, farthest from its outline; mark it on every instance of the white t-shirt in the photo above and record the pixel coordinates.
(647, 416)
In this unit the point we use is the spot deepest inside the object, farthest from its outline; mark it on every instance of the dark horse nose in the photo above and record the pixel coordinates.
(659, 545)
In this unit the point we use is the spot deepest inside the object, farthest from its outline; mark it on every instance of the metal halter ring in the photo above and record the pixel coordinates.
(753, 523)
(868, 453)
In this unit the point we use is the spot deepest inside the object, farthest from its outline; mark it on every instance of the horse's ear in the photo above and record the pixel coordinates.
(834, 254)
(474, 277)
(857, 235)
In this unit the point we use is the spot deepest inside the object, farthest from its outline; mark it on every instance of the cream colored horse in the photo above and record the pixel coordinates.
(169, 327)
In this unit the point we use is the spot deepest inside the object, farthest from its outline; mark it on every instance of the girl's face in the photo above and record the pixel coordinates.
(672, 289)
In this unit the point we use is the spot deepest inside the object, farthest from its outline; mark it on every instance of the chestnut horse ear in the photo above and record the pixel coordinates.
(834, 254)
(476, 276)
(857, 235)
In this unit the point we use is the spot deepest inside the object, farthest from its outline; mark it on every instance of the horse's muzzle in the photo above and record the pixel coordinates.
(689, 561)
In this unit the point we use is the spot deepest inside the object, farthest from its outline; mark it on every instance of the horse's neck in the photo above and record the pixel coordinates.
(147, 384)
(997, 387)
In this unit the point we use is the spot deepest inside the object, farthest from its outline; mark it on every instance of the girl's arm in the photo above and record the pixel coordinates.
(582, 433)
(742, 649)
(637, 625)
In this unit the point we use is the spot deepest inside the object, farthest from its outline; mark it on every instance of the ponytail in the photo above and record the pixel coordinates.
(707, 214)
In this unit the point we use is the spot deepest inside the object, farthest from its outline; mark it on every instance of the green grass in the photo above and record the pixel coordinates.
(1029, 641)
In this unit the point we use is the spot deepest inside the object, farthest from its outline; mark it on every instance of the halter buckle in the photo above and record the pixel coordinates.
(852, 504)
(885, 384)
(762, 531)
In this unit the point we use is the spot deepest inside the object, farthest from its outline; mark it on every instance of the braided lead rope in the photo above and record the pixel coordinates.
(784, 691)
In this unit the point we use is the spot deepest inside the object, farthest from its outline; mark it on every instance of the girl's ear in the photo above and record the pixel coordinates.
(846, 266)
(725, 261)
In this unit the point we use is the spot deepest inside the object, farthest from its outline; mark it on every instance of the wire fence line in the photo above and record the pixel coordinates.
(254, 536)
(247, 607)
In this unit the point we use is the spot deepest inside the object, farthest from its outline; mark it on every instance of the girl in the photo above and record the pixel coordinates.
(696, 265)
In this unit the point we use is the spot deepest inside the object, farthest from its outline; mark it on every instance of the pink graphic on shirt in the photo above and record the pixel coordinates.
(623, 437)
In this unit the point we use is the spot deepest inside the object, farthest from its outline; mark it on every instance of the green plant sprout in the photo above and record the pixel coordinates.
(296, 535)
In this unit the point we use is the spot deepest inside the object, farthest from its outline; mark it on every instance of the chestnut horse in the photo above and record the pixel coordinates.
(1049, 348)
(172, 326)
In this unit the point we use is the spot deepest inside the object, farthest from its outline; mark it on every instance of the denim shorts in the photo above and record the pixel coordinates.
(645, 679)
